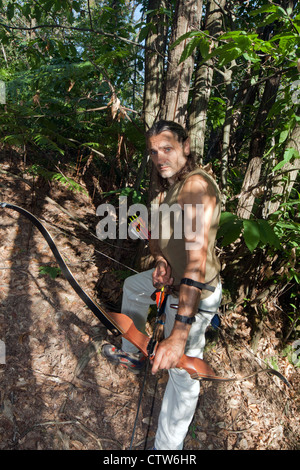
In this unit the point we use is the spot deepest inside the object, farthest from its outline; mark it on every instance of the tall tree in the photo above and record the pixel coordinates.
(281, 183)
(187, 18)
(260, 132)
(156, 42)
(167, 89)
(257, 149)
(203, 80)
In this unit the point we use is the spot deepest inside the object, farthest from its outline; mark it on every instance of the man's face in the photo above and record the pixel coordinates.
(168, 155)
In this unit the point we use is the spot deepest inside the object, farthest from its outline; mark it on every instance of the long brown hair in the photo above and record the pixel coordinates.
(181, 135)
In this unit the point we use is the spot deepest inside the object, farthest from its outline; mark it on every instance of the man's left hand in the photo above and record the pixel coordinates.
(168, 353)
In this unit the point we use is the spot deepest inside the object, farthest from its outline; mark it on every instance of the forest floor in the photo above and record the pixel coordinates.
(58, 392)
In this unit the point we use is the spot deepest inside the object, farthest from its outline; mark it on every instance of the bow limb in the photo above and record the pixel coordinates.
(196, 367)
(200, 370)
(101, 314)
(117, 323)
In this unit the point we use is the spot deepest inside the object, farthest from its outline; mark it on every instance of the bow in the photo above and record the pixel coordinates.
(120, 324)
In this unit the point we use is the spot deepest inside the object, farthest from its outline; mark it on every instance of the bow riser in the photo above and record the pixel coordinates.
(130, 332)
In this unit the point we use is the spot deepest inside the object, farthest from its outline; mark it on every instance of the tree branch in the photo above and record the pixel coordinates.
(74, 28)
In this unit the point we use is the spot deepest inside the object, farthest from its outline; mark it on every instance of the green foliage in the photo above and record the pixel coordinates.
(279, 238)
(216, 112)
(60, 81)
(135, 196)
(244, 49)
(50, 271)
(291, 354)
(283, 229)
(255, 232)
(289, 153)
(287, 229)
(48, 175)
(232, 45)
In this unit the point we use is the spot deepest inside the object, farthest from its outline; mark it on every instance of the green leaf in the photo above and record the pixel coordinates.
(62, 49)
(267, 234)
(50, 271)
(230, 230)
(145, 31)
(37, 12)
(10, 11)
(204, 46)
(189, 49)
(283, 136)
(277, 11)
(227, 217)
(185, 36)
(26, 10)
(252, 57)
(76, 6)
(291, 226)
(288, 155)
(251, 234)
(228, 54)
(264, 9)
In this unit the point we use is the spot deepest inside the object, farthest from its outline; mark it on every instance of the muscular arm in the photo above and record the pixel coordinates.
(162, 272)
(195, 191)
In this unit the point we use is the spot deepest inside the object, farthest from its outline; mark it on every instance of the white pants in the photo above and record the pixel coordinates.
(181, 394)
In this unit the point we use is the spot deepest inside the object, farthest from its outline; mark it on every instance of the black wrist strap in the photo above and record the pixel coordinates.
(199, 285)
(184, 319)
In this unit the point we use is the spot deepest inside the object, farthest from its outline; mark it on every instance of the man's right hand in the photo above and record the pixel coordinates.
(161, 275)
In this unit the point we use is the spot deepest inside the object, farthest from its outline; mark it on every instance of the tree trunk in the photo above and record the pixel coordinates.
(154, 73)
(154, 62)
(246, 96)
(258, 141)
(227, 129)
(203, 83)
(178, 79)
(281, 187)
(256, 152)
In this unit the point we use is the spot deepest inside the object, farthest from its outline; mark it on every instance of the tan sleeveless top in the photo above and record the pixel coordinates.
(172, 244)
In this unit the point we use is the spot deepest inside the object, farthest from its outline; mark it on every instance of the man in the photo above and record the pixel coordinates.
(190, 257)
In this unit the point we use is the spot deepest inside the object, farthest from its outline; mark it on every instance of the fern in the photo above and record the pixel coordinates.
(45, 142)
(48, 175)
(14, 139)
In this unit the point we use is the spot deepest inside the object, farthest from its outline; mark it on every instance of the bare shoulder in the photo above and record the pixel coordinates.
(195, 181)
(195, 188)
